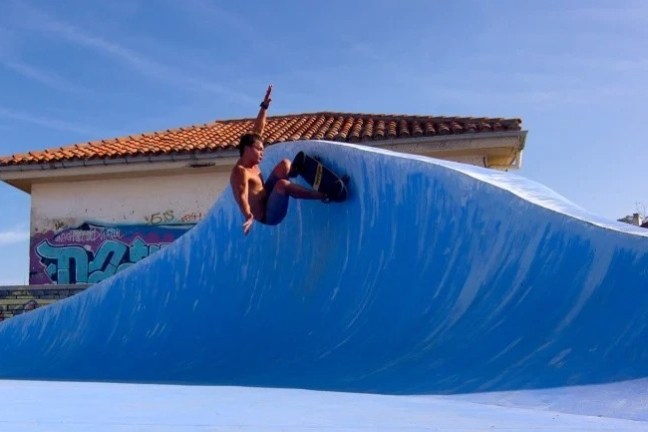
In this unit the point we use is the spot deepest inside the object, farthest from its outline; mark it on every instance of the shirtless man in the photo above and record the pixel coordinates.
(266, 202)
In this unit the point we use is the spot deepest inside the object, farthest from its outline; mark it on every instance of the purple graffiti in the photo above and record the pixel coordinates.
(93, 252)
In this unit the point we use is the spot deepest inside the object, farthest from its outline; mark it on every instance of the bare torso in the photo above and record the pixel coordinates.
(257, 196)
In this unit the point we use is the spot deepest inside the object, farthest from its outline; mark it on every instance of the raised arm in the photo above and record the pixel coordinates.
(260, 122)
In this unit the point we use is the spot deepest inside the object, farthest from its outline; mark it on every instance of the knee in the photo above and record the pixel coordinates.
(282, 186)
(284, 167)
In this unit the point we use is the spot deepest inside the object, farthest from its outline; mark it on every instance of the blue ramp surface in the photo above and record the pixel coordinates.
(433, 277)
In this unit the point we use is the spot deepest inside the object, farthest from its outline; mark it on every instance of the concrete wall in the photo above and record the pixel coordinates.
(86, 231)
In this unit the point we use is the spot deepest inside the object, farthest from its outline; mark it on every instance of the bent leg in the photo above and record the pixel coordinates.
(282, 169)
(285, 187)
(276, 207)
(279, 172)
(277, 204)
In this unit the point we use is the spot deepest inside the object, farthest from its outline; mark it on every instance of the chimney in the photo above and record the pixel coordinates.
(636, 219)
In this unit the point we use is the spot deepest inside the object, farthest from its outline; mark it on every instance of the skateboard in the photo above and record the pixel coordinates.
(321, 178)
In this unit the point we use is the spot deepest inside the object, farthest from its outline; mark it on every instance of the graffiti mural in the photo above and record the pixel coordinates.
(92, 252)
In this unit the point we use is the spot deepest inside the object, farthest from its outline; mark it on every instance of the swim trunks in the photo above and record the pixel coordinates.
(277, 204)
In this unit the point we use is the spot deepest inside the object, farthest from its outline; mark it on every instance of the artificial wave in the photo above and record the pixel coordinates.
(433, 278)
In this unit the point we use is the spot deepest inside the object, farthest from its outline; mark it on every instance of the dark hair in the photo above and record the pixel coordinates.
(247, 140)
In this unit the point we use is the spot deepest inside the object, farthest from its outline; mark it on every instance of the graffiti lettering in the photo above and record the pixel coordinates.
(140, 250)
(74, 264)
(168, 216)
(112, 233)
(191, 217)
(93, 252)
(58, 224)
(63, 261)
(107, 259)
(160, 217)
(76, 236)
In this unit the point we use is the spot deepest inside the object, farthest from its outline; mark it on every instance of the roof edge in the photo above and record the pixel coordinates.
(196, 160)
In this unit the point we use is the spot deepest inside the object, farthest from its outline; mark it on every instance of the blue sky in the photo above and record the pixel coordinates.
(574, 72)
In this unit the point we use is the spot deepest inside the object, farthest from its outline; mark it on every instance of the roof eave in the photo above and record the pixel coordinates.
(197, 158)
(449, 138)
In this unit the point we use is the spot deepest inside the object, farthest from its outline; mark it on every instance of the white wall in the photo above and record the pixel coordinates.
(178, 198)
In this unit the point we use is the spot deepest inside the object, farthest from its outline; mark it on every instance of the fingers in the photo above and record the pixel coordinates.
(247, 225)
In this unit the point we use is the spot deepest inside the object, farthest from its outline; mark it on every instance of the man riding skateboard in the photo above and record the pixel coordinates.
(263, 201)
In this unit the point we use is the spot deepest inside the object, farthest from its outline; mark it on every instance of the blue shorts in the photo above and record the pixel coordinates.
(277, 204)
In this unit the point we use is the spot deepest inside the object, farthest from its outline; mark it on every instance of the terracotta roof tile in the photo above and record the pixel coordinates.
(224, 135)
(442, 128)
(391, 129)
(367, 129)
(403, 128)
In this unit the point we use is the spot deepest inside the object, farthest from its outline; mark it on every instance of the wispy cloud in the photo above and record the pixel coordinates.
(40, 21)
(10, 114)
(13, 236)
(10, 59)
(48, 79)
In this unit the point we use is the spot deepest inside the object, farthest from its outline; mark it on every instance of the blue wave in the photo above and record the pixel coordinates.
(434, 277)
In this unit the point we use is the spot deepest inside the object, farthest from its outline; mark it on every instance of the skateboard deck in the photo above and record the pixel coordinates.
(321, 178)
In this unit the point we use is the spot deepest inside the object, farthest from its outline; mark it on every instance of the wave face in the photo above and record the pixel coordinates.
(434, 277)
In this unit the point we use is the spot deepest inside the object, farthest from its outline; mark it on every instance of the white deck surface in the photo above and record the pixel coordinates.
(67, 406)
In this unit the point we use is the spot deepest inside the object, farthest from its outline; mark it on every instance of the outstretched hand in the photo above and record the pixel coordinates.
(267, 99)
(247, 225)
